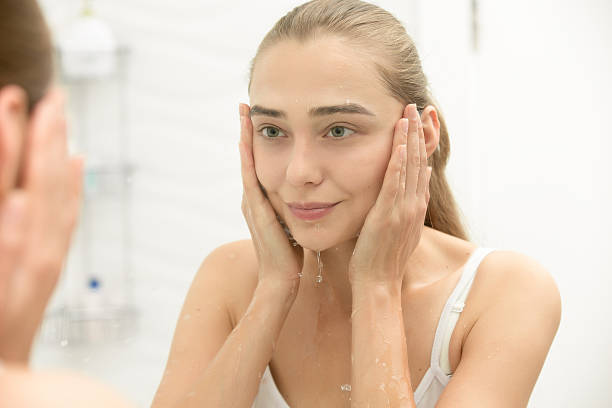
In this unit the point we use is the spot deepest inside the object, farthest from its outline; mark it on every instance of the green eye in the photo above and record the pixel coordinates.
(338, 132)
(271, 132)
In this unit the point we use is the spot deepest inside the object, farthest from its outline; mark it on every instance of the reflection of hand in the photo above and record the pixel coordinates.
(280, 263)
(393, 226)
(36, 222)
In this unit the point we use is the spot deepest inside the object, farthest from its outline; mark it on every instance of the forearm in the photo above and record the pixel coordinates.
(380, 375)
(232, 377)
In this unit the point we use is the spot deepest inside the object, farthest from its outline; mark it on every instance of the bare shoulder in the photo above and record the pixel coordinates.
(519, 312)
(234, 269)
(511, 274)
(233, 256)
(23, 388)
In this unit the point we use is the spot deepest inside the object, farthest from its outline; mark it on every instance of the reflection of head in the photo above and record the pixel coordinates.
(382, 37)
(25, 48)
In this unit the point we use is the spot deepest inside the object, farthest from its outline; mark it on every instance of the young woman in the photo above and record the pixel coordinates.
(40, 189)
(359, 286)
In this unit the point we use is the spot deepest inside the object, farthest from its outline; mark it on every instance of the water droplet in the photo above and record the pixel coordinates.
(345, 387)
(187, 317)
(319, 277)
(300, 274)
(64, 343)
(317, 227)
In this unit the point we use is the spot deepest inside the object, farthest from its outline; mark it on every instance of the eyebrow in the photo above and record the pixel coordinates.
(318, 111)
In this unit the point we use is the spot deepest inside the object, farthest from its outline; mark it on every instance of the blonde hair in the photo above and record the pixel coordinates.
(368, 26)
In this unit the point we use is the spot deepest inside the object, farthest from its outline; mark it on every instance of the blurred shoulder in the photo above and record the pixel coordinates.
(24, 388)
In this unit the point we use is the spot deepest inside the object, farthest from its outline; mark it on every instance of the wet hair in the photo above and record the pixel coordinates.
(26, 57)
(376, 31)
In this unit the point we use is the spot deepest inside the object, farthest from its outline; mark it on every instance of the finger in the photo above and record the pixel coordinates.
(427, 194)
(75, 193)
(245, 114)
(413, 153)
(390, 187)
(401, 193)
(423, 178)
(399, 135)
(59, 137)
(250, 183)
(39, 146)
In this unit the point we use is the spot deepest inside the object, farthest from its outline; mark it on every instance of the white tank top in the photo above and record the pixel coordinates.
(437, 375)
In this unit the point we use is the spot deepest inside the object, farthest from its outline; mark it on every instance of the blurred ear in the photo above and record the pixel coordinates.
(431, 129)
(13, 122)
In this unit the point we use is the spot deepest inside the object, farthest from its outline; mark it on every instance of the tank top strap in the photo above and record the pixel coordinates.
(455, 303)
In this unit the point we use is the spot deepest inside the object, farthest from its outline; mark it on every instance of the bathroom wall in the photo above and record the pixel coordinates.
(526, 113)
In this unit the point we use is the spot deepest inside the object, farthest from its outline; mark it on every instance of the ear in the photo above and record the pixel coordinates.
(431, 129)
(13, 122)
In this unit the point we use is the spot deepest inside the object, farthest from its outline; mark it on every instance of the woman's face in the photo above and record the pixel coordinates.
(322, 133)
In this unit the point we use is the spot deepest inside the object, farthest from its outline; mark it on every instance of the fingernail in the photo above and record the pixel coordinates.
(414, 112)
(243, 110)
(240, 109)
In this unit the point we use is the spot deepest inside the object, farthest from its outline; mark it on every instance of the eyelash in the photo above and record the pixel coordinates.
(261, 131)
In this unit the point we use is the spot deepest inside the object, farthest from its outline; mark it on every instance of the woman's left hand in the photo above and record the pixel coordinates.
(393, 226)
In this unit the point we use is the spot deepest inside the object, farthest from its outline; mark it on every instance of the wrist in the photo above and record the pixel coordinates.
(274, 291)
(385, 288)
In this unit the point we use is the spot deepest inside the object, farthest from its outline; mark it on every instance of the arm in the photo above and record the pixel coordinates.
(226, 362)
(504, 352)
(391, 231)
(380, 376)
(209, 362)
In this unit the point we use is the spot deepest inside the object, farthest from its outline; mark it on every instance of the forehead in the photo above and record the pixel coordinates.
(314, 72)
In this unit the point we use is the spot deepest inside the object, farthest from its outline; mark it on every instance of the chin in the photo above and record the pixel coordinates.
(321, 240)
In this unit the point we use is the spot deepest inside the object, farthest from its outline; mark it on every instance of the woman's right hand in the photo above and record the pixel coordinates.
(280, 263)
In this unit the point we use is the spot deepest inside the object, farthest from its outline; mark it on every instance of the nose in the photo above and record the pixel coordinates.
(304, 167)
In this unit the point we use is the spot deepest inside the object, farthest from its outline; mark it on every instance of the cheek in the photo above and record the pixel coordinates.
(364, 169)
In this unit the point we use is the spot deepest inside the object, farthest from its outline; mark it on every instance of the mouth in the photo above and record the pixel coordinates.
(311, 211)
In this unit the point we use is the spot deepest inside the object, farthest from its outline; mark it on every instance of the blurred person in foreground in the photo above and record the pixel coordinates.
(40, 195)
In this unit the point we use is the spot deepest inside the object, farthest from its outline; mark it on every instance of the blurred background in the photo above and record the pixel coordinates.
(154, 88)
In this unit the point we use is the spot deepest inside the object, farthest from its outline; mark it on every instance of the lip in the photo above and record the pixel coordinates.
(311, 211)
